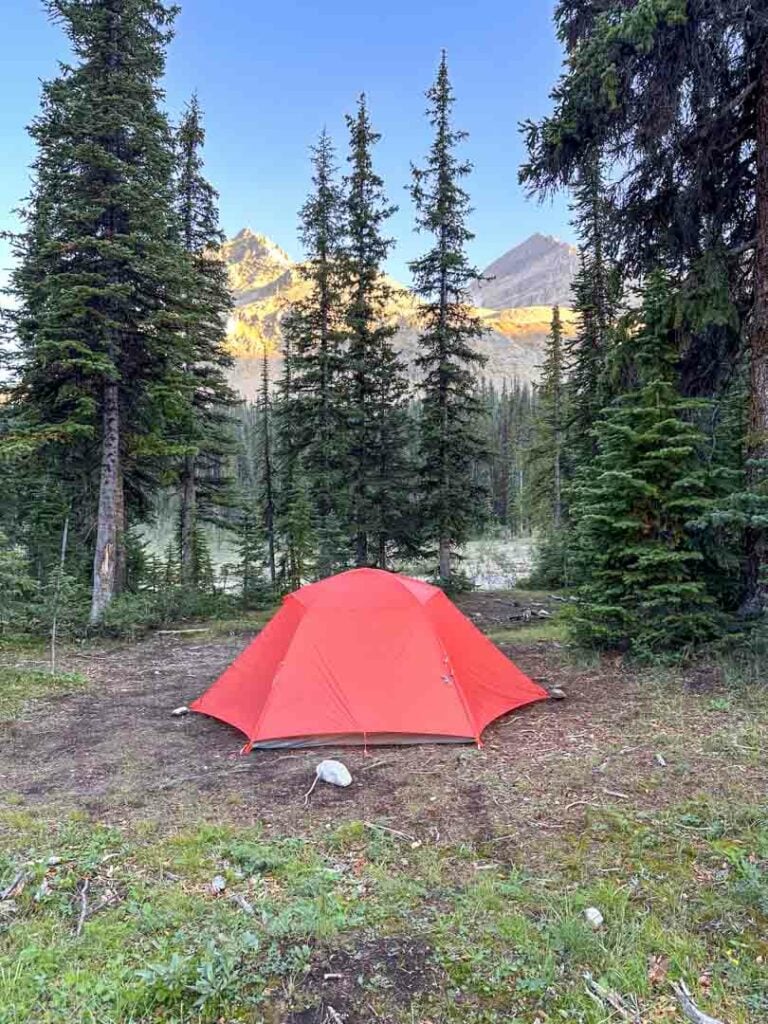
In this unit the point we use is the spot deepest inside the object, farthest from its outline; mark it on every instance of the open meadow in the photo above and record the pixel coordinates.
(150, 873)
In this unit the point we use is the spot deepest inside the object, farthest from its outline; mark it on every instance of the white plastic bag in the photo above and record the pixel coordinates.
(334, 772)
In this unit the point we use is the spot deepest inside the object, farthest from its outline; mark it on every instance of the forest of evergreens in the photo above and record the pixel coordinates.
(639, 461)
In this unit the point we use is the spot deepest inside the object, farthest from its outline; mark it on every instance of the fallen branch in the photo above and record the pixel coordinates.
(83, 907)
(689, 1008)
(15, 884)
(391, 831)
(104, 902)
(178, 632)
(603, 996)
(242, 902)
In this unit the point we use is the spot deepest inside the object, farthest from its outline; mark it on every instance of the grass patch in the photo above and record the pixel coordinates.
(684, 894)
(549, 629)
(20, 686)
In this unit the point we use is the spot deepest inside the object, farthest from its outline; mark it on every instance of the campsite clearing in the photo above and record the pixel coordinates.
(448, 883)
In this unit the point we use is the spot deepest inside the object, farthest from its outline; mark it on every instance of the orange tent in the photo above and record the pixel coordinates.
(367, 657)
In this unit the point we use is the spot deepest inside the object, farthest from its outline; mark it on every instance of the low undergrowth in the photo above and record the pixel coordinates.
(20, 686)
(214, 924)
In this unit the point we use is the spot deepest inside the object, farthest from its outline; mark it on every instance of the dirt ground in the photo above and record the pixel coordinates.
(621, 737)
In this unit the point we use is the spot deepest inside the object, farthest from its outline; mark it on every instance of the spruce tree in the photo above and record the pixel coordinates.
(206, 430)
(267, 464)
(293, 513)
(595, 300)
(375, 389)
(676, 93)
(100, 277)
(448, 358)
(643, 576)
(311, 420)
(549, 427)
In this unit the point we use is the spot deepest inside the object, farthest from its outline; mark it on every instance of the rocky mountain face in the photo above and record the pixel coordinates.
(538, 272)
(265, 282)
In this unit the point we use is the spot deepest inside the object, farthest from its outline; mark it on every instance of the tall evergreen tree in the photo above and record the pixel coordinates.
(675, 92)
(267, 462)
(313, 335)
(206, 431)
(547, 461)
(643, 583)
(595, 298)
(448, 358)
(100, 276)
(293, 512)
(375, 382)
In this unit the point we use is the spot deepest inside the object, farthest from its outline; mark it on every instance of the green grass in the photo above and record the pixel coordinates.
(19, 686)
(687, 890)
(548, 629)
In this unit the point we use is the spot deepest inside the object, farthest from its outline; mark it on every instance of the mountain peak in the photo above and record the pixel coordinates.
(248, 242)
(537, 272)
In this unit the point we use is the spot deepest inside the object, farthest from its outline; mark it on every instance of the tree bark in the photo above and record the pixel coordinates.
(187, 524)
(105, 559)
(444, 553)
(757, 445)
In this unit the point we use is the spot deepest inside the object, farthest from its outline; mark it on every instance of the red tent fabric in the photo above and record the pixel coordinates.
(367, 657)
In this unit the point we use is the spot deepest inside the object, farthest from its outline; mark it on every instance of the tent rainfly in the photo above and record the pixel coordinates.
(367, 657)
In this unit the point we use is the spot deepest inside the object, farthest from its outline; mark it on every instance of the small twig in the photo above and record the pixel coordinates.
(104, 902)
(83, 907)
(392, 831)
(11, 889)
(578, 803)
(617, 794)
(373, 764)
(242, 902)
(230, 770)
(689, 1008)
(308, 794)
(602, 995)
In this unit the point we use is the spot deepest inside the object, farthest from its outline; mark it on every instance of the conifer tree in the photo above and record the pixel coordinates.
(293, 513)
(549, 427)
(100, 275)
(548, 463)
(450, 498)
(595, 301)
(643, 575)
(676, 92)
(206, 430)
(311, 421)
(374, 378)
(267, 462)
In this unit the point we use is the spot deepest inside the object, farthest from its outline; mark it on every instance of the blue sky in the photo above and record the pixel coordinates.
(270, 75)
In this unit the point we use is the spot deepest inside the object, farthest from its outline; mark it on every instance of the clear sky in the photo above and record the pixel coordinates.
(270, 75)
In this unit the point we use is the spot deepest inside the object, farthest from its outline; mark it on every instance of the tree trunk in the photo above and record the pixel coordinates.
(105, 560)
(187, 524)
(444, 552)
(361, 550)
(558, 505)
(757, 446)
(382, 551)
